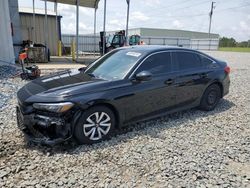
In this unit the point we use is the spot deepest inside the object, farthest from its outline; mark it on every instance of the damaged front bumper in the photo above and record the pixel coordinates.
(43, 128)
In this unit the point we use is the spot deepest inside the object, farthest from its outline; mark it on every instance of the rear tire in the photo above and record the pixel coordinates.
(210, 97)
(110, 49)
(95, 125)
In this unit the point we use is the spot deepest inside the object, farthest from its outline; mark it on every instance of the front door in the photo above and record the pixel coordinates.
(154, 96)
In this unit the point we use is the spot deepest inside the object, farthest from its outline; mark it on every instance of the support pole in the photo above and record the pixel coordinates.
(73, 50)
(34, 23)
(77, 28)
(46, 29)
(104, 28)
(55, 10)
(128, 6)
(95, 31)
(59, 44)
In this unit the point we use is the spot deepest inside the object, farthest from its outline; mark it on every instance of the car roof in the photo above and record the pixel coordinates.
(154, 48)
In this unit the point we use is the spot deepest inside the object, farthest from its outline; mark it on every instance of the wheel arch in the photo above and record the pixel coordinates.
(217, 82)
(110, 106)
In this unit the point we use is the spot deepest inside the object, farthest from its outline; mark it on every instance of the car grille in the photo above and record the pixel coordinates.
(27, 129)
(19, 117)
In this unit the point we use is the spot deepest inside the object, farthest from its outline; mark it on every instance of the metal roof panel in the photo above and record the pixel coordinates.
(82, 3)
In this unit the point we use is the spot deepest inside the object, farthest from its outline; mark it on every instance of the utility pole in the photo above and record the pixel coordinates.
(34, 23)
(104, 28)
(210, 18)
(128, 5)
(77, 32)
(210, 22)
(46, 31)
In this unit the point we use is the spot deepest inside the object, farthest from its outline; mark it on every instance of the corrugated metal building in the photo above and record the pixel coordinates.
(151, 36)
(26, 23)
(155, 32)
(6, 52)
(15, 23)
(189, 39)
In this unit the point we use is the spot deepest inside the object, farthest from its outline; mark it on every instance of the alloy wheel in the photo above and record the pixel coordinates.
(97, 125)
(212, 97)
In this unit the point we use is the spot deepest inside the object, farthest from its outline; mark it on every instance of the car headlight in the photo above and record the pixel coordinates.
(54, 107)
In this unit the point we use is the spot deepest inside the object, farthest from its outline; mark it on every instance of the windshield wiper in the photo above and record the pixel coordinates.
(95, 76)
(91, 74)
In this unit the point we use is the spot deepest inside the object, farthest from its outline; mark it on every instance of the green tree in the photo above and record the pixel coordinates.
(244, 44)
(227, 42)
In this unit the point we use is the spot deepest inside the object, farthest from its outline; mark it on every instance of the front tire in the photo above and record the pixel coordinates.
(95, 125)
(210, 97)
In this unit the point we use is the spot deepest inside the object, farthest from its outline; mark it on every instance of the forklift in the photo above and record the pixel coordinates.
(134, 40)
(117, 40)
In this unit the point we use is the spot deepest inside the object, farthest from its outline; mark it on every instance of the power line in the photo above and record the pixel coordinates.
(162, 7)
(203, 14)
(218, 11)
(231, 8)
(172, 18)
(171, 5)
(181, 8)
(188, 16)
(187, 7)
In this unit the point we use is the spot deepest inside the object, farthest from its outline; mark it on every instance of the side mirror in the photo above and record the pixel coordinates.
(143, 76)
(82, 69)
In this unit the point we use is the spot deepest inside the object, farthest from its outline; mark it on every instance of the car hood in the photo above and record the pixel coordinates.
(61, 85)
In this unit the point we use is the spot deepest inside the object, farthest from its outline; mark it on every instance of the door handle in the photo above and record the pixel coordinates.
(169, 81)
(203, 75)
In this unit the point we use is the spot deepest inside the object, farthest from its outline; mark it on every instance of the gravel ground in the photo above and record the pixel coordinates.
(185, 149)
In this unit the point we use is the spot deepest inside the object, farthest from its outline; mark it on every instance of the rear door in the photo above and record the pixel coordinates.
(191, 77)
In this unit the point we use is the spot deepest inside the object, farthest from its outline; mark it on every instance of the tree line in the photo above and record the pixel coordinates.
(231, 42)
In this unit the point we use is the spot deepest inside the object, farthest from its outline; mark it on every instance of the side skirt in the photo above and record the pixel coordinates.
(146, 118)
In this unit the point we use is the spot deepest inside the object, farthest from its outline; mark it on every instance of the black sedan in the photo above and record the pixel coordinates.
(127, 85)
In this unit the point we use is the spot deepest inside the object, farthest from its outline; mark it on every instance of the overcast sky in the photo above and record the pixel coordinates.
(231, 18)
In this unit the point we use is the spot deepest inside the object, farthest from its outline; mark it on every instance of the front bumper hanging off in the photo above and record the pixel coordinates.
(42, 129)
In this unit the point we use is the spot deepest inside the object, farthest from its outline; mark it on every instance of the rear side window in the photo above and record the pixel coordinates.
(187, 60)
(159, 63)
(205, 61)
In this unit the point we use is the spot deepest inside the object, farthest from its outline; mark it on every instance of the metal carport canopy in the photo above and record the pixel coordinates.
(82, 3)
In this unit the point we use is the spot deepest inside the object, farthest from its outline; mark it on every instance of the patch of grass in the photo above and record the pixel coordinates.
(234, 49)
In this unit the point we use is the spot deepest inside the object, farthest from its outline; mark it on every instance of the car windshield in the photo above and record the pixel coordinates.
(109, 39)
(115, 65)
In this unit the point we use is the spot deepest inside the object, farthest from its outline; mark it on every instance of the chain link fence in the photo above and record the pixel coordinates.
(90, 43)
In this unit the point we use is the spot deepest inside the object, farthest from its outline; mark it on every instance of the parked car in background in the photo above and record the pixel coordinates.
(128, 84)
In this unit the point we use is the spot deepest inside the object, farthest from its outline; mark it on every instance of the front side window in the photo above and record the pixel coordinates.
(187, 60)
(116, 39)
(159, 63)
(134, 39)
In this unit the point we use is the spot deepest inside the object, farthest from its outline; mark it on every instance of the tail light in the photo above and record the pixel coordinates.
(227, 69)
